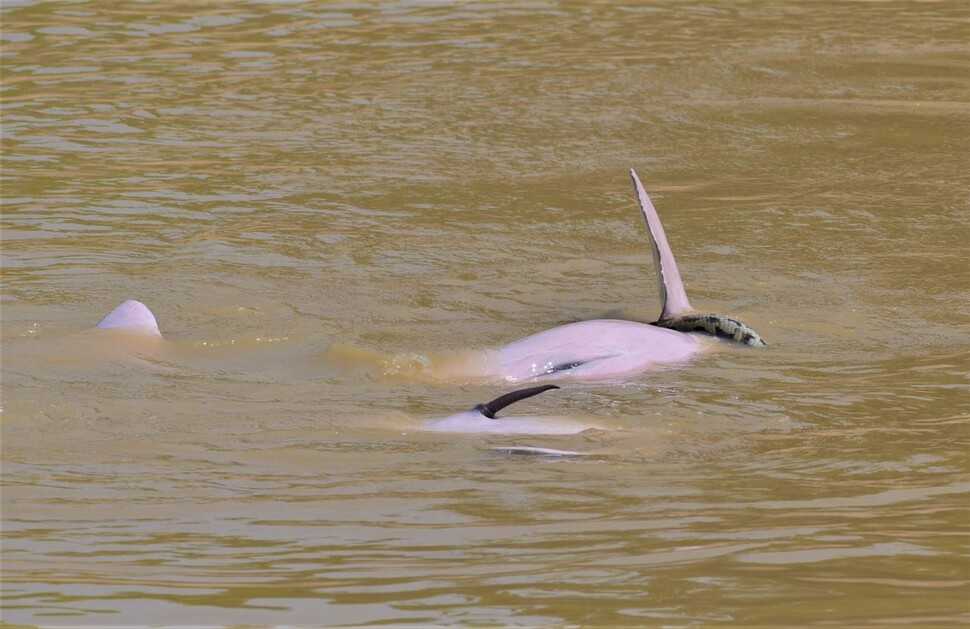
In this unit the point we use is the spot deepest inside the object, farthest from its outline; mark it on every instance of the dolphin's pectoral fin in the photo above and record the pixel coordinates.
(714, 325)
(676, 311)
(673, 296)
(482, 418)
(489, 409)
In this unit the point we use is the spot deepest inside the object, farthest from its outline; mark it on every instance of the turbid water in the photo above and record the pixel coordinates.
(277, 180)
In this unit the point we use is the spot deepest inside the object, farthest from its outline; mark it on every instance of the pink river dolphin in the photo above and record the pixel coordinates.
(607, 348)
(586, 350)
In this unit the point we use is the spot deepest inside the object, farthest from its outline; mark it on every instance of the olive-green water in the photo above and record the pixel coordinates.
(280, 179)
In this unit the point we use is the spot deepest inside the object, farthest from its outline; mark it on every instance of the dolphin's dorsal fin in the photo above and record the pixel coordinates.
(673, 297)
(131, 315)
(489, 409)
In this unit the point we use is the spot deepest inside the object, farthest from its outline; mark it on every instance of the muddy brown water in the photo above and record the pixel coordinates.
(277, 179)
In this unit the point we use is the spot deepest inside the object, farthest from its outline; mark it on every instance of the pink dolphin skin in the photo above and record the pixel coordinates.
(131, 316)
(590, 350)
(606, 348)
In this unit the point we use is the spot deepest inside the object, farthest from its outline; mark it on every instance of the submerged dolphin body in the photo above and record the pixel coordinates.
(134, 317)
(610, 348)
(535, 451)
(482, 418)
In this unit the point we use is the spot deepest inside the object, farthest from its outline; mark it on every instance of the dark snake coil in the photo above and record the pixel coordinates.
(714, 325)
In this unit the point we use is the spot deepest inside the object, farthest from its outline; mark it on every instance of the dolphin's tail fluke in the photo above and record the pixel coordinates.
(131, 315)
(491, 408)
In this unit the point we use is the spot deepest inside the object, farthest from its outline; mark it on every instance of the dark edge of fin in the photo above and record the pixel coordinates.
(491, 408)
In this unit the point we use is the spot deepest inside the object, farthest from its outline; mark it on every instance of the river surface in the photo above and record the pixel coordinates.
(314, 197)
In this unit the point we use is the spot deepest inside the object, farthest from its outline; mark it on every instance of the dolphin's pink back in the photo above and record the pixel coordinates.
(131, 315)
(599, 349)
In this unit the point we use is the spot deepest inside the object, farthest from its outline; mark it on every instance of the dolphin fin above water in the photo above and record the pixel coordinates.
(482, 418)
(132, 316)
